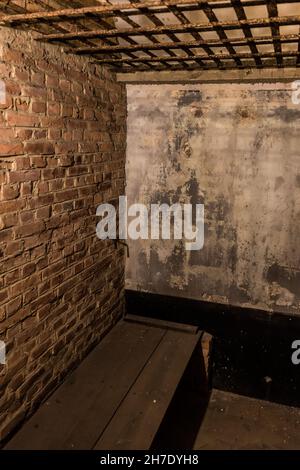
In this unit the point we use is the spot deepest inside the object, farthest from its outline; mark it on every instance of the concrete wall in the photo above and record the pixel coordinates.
(62, 153)
(235, 148)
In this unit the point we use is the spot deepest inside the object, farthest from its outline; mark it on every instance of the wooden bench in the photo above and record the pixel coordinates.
(119, 394)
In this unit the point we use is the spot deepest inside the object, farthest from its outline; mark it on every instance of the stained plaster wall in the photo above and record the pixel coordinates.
(235, 148)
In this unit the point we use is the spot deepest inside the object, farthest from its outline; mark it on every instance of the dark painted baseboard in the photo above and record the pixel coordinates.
(252, 348)
(207, 315)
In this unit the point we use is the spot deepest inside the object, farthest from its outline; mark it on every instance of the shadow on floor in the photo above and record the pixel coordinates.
(235, 422)
(257, 364)
(202, 418)
(184, 416)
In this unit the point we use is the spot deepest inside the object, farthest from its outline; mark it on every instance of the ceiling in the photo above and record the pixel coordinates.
(166, 35)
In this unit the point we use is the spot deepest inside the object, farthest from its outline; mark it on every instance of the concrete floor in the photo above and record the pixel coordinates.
(238, 422)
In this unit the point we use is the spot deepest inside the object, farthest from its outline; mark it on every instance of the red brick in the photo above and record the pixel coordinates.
(22, 163)
(6, 134)
(65, 85)
(29, 229)
(56, 185)
(38, 162)
(28, 269)
(27, 216)
(42, 187)
(11, 149)
(52, 82)
(38, 107)
(42, 200)
(23, 133)
(43, 212)
(11, 206)
(14, 118)
(9, 220)
(12, 56)
(37, 78)
(6, 235)
(43, 148)
(66, 147)
(22, 104)
(66, 160)
(12, 88)
(13, 305)
(11, 278)
(34, 92)
(54, 134)
(69, 194)
(67, 111)
(22, 176)
(26, 188)
(47, 207)
(53, 109)
(3, 295)
(40, 134)
(10, 191)
(14, 248)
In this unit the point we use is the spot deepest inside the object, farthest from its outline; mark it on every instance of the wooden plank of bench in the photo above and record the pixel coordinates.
(137, 420)
(162, 323)
(77, 413)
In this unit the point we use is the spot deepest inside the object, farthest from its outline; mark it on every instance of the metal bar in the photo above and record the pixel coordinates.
(127, 9)
(184, 20)
(156, 22)
(131, 8)
(219, 30)
(240, 13)
(202, 57)
(273, 11)
(195, 68)
(96, 10)
(192, 27)
(263, 40)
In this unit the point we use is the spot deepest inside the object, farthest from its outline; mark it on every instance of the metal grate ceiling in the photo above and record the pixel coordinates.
(166, 35)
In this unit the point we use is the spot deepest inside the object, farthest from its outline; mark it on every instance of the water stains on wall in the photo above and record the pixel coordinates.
(234, 148)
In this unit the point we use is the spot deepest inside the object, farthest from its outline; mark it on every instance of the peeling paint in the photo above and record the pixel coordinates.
(286, 277)
(189, 97)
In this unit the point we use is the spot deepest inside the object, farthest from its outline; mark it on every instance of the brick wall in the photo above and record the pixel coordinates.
(62, 147)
